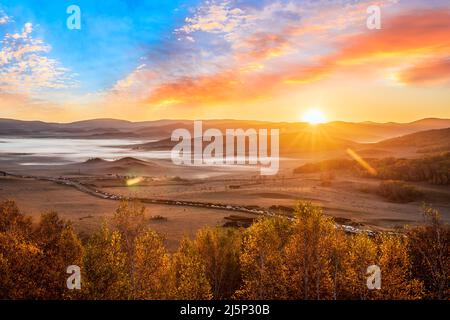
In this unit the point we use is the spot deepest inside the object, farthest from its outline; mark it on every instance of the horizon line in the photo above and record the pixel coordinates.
(223, 119)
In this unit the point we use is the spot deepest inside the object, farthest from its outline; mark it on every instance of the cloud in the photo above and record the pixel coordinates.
(4, 18)
(25, 66)
(214, 17)
(260, 46)
(415, 33)
(405, 39)
(243, 54)
(432, 71)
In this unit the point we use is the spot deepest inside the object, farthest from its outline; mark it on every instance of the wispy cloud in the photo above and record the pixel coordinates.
(258, 50)
(25, 66)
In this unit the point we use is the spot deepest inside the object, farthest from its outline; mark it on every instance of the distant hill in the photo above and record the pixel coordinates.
(422, 139)
(124, 166)
(361, 132)
(306, 140)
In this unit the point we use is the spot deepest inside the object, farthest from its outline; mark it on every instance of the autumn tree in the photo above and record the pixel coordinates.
(105, 267)
(337, 258)
(395, 264)
(152, 268)
(12, 220)
(129, 220)
(60, 248)
(308, 253)
(362, 253)
(189, 278)
(429, 246)
(19, 266)
(263, 261)
(34, 262)
(219, 250)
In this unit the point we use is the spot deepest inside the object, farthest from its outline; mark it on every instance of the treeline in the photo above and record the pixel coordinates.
(275, 258)
(433, 169)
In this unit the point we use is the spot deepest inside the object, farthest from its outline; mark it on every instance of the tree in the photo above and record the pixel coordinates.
(362, 253)
(152, 268)
(60, 248)
(308, 253)
(429, 247)
(395, 265)
(219, 250)
(129, 220)
(12, 220)
(19, 266)
(263, 260)
(105, 267)
(189, 274)
(337, 255)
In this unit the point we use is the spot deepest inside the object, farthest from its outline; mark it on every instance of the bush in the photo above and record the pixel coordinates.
(398, 191)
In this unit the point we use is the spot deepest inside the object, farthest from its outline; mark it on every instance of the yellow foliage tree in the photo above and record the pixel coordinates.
(308, 253)
(189, 274)
(395, 265)
(362, 253)
(152, 268)
(263, 261)
(219, 250)
(105, 267)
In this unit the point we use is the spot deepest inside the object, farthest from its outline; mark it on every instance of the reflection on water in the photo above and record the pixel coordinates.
(64, 151)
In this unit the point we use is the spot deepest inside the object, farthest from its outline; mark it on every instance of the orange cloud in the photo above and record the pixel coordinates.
(212, 89)
(428, 72)
(405, 38)
(418, 32)
(409, 36)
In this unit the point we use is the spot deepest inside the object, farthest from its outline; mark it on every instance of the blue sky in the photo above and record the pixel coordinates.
(114, 37)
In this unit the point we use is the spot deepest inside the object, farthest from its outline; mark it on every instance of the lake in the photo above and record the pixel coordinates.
(51, 151)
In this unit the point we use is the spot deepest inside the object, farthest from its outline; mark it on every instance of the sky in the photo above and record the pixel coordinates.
(236, 59)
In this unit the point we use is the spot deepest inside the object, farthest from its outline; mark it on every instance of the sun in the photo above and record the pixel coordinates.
(314, 116)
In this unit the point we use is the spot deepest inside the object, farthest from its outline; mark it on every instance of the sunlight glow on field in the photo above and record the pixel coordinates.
(133, 181)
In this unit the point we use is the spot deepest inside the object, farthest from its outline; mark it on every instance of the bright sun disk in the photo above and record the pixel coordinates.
(314, 116)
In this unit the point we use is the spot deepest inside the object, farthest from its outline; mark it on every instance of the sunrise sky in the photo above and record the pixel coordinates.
(242, 59)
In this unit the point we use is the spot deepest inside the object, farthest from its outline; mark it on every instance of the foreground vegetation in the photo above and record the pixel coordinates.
(275, 258)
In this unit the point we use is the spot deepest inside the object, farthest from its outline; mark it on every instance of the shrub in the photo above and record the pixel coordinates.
(398, 191)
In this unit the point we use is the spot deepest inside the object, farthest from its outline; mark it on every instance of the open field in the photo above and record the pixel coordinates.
(88, 212)
(346, 197)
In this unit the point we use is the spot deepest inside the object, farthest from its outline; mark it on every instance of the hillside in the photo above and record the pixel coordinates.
(429, 138)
